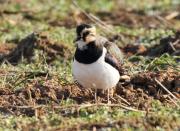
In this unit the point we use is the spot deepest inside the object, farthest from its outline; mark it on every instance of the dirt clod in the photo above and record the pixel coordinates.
(26, 47)
(169, 44)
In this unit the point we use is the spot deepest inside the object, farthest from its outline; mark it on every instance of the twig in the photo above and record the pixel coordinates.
(102, 24)
(176, 42)
(123, 99)
(172, 46)
(29, 95)
(173, 101)
(166, 89)
(162, 20)
(97, 19)
(172, 15)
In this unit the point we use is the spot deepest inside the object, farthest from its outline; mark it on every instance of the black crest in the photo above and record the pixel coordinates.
(81, 27)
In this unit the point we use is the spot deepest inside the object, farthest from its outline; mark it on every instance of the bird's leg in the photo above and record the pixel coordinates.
(112, 92)
(95, 95)
(108, 96)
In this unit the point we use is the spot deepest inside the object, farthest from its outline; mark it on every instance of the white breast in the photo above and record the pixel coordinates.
(99, 75)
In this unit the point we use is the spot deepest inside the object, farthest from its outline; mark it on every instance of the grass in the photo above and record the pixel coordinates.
(18, 19)
(105, 117)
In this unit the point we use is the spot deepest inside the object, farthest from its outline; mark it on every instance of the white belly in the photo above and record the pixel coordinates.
(99, 75)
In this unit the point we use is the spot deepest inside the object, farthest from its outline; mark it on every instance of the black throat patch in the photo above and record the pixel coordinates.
(89, 55)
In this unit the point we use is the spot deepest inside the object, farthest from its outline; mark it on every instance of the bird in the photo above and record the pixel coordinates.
(93, 65)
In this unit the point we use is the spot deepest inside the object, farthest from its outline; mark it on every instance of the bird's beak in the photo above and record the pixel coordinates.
(74, 41)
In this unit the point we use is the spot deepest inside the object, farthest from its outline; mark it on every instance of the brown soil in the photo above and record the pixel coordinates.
(169, 44)
(6, 48)
(67, 22)
(131, 49)
(132, 18)
(138, 92)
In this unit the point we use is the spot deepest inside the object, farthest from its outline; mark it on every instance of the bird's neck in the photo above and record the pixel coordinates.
(90, 54)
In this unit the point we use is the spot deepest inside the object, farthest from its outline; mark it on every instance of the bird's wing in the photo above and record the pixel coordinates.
(114, 55)
(114, 50)
(112, 61)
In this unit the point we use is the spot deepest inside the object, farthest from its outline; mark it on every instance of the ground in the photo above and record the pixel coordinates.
(36, 85)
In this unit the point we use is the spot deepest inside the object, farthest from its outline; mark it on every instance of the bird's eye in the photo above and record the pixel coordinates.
(85, 34)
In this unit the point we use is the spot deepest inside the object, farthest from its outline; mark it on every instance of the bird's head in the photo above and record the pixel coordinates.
(86, 33)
